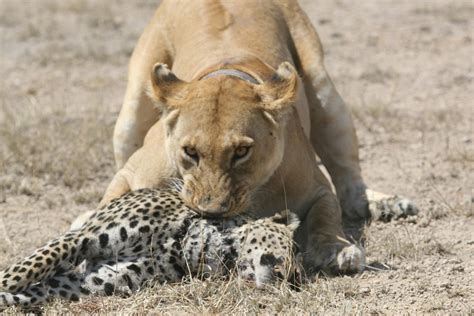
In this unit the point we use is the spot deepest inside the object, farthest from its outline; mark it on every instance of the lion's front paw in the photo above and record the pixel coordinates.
(350, 259)
(386, 207)
(335, 259)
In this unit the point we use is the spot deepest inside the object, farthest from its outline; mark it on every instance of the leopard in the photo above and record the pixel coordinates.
(150, 236)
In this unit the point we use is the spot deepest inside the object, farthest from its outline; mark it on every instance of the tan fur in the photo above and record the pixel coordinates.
(214, 116)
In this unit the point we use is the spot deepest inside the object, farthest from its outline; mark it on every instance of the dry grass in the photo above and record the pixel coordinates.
(223, 297)
(63, 70)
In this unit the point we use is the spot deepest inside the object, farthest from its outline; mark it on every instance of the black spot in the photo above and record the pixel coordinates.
(176, 245)
(74, 298)
(49, 261)
(22, 270)
(178, 270)
(97, 281)
(29, 274)
(17, 278)
(268, 260)
(73, 278)
(111, 225)
(109, 289)
(103, 240)
(134, 268)
(84, 291)
(123, 234)
(63, 293)
(254, 240)
(150, 270)
(53, 283)
(66, 286)
(137, 249)
(38, 265)
(133, 224)
(144, 229)
(127, 279)
(124, 215)
(143, 210)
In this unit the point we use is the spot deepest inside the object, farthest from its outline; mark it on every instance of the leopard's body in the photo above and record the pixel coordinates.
(149, 235)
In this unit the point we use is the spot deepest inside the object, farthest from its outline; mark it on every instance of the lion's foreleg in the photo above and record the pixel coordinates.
(119, 185)
(323, 243)
(135, 119)
(138, 112)
(332, 130)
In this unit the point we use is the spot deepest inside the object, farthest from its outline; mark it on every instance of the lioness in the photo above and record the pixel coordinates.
(214, 86)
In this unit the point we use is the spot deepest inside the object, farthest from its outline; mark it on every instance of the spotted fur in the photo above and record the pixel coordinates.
(149, 235)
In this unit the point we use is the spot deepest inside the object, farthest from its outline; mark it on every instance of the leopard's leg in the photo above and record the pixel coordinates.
(66, 285)
(138, 113)
(323, 242)
(332, 130)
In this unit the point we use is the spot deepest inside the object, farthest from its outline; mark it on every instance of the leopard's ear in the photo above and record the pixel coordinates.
(278, 94)
(167, 88)
(288, 218)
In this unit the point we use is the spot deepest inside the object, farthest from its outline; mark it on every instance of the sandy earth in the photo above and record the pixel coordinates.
(405, 68)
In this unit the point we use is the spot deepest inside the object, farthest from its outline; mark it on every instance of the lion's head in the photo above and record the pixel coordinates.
(225, 135)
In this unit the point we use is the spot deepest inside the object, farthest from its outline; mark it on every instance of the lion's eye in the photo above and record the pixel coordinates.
(241, 152)
(191, 152)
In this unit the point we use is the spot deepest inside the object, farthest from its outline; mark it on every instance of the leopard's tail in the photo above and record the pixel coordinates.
(59, 255)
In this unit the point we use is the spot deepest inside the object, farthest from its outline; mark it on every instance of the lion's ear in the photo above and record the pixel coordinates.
(168, 89)
(279, 93)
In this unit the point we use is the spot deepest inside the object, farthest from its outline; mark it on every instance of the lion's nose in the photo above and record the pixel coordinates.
(207, 206)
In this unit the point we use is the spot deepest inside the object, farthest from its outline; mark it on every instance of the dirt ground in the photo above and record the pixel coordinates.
(405, 68)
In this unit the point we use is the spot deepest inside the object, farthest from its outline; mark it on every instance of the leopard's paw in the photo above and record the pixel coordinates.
(384, 207)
